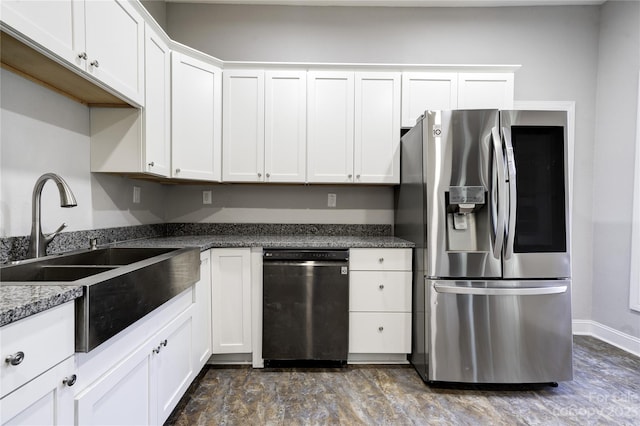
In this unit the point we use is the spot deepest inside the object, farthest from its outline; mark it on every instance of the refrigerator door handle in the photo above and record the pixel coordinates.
(511, 178)
(499, 203)
(499, 291)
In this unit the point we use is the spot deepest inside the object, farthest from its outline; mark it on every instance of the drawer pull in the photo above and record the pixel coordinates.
(381, 260)
(381, 286)
(70, 381)
(380, 329)
(15, 359)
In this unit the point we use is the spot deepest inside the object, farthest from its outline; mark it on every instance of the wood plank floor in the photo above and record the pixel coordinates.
(605, 391)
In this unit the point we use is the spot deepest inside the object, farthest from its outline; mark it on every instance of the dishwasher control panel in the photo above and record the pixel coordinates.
(306, 254)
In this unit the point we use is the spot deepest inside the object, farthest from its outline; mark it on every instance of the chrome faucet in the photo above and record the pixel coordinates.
(38, 242)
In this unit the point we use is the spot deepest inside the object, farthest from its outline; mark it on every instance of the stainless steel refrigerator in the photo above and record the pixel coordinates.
(484, 196)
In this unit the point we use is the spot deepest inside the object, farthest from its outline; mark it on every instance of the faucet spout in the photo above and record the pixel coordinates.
(38, 242)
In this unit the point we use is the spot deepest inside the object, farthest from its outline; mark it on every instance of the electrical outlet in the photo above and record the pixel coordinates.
(136, 194)
(206, 197)
(331, 200)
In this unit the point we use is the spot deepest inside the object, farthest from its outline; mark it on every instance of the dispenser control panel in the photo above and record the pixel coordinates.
(466, 194)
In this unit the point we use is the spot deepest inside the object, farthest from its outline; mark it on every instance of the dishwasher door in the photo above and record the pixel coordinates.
(305, 311)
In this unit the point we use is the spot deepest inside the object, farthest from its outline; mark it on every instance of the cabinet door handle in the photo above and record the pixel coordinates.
(380, 329)
(15, 359)
(268, 175)
(381, 286)
(349, 176)
(177, 170)
(157, 350)
(381, 260)
(259, 175)
(95, 63)
(70, 381)
(358, 177)
(82, 55)
(164, 343)
(151, 164)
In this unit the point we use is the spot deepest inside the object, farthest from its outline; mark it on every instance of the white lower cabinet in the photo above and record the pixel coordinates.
(46, 400)
(380, 301)
(231, 300)
(125, 382)
(202, 314)
(38, 369)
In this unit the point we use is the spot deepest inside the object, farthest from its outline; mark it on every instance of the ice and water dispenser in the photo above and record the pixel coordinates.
(464, 203)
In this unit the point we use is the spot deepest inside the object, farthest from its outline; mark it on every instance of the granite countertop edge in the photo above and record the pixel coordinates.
(20, 301)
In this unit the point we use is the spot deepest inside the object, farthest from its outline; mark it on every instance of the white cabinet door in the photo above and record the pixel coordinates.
(196, 102)
(285, 126)
(231, 300)
(122, 396)
(330, 107)
(377, 128)
(243, 126)
(485, 90)
(422, 91)
(202, 314)
(157, 110)
(46, 400)
(173, 364)
(58, 26)
(114, 40)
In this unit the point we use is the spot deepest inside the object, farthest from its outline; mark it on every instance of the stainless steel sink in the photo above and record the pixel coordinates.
(121, 284)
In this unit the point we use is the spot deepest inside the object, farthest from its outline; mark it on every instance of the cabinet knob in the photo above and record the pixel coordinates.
(259, 174)
(151, 164)
(381, 286)
(15, 359)
(349, 176)
(177, 170)
(357, 176)
(95, 63)
(381, 260)
(70, 381)
(268, 175)
(380, 329)
(164, 343)
(82, 55)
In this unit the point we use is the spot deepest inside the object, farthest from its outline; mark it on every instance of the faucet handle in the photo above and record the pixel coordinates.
(50, 236)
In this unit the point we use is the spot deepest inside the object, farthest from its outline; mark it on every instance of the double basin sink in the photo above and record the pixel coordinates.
(121, 284)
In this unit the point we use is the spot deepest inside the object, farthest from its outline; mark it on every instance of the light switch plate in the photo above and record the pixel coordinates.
(206, 197)
(331, 200)
(136, 194)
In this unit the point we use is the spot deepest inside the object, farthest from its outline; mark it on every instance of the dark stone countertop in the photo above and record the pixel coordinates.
(206, 242)
(17, 302)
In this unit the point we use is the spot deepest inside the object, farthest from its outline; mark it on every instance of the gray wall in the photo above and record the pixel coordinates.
(556, 46)
(615, 138)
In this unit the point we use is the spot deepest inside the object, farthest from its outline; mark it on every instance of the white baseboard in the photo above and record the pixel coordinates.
(607, 334)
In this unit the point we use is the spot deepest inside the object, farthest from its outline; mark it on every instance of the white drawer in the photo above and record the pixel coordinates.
(380, 259)
(380, 291)
(386, 333)
(45, 339)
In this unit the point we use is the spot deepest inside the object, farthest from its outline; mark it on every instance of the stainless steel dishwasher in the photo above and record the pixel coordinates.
(305, 307)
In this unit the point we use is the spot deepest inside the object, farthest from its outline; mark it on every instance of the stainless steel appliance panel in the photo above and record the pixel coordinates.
(460, 195)
(410, 224)
(305, 310)
(500, 331)
(538, 234)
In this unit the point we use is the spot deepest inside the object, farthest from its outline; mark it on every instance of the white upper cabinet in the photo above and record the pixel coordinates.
(264, 126)
(114, 46)
(243, 126)
(285, 126)
(485, 90)
(57, 26)
(377, 127)
(196, 115)
(330, 126)
(103, 39)
(156, 114)
(422, 91)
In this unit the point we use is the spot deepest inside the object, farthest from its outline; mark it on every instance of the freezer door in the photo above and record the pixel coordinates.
(500, 331)
(538, 224)
(462, 168)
